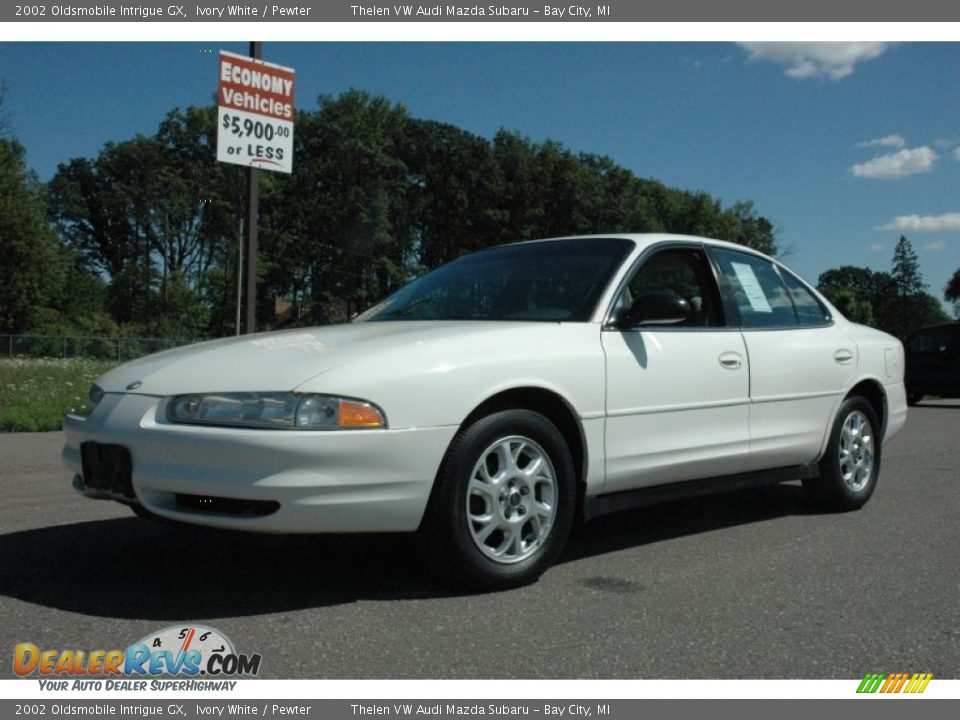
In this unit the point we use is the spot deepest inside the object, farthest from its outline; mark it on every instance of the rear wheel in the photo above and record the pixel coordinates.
(503, 502)
(851, 465)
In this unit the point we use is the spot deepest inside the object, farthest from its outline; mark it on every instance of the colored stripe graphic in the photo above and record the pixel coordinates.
(898, 683)
(894, 682)
(920, 683)
(870, 683)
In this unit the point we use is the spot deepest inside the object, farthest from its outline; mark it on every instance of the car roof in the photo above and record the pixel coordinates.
(643, 240)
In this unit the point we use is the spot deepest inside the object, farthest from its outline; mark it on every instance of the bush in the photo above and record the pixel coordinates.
(35, 395)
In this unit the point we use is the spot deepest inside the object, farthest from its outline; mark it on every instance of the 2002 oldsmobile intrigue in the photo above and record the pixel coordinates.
(489, 402)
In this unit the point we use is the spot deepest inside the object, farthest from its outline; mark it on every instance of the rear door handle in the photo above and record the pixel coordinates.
(731, 360)
(843, 356)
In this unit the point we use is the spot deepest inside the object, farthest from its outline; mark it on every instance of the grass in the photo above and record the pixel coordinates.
(35, 394)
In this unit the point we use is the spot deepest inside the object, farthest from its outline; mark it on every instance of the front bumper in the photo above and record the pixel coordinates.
(322, 481)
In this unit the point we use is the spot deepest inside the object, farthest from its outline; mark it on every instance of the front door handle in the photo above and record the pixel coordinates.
(843, 356)
(731, 360)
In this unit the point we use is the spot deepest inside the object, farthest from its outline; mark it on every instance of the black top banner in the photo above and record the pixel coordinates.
(458, 11)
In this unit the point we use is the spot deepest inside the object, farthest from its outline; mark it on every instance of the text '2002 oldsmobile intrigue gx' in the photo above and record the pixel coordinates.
(490, 402)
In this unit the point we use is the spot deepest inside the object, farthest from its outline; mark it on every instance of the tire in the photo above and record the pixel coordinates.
(140, 511)
(851, 465)
(494, 523)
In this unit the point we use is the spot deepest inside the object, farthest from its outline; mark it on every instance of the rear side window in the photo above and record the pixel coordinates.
(810, 312)
(758, 290)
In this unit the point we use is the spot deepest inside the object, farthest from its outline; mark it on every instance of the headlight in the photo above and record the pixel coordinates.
(275, 410)
(93, 399)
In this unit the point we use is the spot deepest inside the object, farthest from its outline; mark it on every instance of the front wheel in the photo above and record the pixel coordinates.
(503, 503)
(851, 465)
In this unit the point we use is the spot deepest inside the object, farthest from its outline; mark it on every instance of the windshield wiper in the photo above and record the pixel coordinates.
(404, 311)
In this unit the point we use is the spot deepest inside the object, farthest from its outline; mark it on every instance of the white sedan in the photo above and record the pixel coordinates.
(494, 400)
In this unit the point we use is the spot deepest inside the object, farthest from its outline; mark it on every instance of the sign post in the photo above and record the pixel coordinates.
(254, 129)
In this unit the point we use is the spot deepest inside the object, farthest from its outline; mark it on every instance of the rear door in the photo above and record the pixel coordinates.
(800, 362)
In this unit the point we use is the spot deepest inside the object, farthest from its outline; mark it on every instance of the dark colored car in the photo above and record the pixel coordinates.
(933, 362)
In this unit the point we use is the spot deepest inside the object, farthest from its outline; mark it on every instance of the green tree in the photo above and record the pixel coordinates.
(455, 191)
(914, 307)
(906, 269)
(76, 305)
(376, 198)
(874, 294)
(952, 292)
(4, 114)
(894, 300)
(865, 282)
(103, 209)
(353, 186)
(854, 307)
(751, 229)
(28, 252)
(155, 215)
(196, 230)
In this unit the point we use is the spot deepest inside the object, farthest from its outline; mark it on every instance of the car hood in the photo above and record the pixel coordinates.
(278, 361)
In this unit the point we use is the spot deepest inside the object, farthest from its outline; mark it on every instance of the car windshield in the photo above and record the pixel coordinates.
(548, 281)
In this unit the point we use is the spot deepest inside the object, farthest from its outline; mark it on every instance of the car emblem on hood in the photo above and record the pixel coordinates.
(134, 385)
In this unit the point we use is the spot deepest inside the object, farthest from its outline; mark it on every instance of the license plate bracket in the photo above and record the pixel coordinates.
(108, 468)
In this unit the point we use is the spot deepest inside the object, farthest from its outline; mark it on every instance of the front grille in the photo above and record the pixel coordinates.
(108, 468)
(226, 506)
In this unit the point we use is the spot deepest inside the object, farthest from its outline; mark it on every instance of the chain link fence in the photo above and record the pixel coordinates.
(119, 349)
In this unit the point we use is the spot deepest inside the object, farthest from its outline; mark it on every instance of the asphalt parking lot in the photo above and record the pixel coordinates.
(747, 585)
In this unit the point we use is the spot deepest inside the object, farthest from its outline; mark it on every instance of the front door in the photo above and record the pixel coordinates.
(677, 393)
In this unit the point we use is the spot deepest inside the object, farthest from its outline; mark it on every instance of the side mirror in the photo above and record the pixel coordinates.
(656, 308)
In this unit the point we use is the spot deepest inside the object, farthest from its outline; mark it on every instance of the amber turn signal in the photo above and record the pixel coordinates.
(357, 414)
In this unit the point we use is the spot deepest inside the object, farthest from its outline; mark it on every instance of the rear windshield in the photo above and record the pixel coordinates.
(549, 281)
(934, 340)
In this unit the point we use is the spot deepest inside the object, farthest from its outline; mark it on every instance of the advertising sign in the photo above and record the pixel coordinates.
(255, 113)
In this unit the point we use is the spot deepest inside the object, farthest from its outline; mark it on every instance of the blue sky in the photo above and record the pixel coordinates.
(844, 146)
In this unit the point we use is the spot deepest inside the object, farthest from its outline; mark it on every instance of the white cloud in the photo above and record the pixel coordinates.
(935, 246)
(924, 223)
(877, 247)
(888, 141)
(897, 165)
(956, 153)
(834, 60)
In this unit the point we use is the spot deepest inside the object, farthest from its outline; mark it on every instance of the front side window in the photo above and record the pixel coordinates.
(679, 273)
(547, 281)
(758, 290)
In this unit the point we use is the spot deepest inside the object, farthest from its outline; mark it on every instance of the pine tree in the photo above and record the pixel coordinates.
(906, 269)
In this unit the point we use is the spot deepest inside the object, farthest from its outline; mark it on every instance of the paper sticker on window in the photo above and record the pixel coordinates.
(751, 288)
